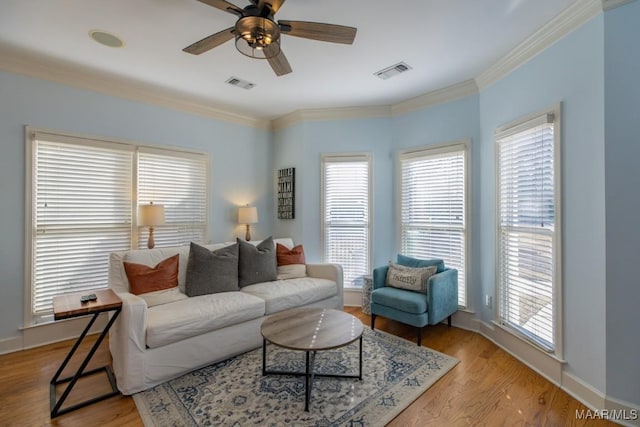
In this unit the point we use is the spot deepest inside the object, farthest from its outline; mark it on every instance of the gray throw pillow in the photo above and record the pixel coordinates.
(257, 263)
(212, 272)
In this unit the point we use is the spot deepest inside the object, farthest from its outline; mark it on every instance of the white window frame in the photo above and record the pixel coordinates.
(551, 113)
(348, 157)
(30, 193)
(433, 150)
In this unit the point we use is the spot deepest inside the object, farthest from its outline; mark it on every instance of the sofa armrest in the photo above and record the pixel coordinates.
(133, 319)
(442, 295)
(330, 272)
(380, 276)
(326, 271)
(127, 343)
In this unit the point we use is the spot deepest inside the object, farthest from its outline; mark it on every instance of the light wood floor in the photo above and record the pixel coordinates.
(487, 388)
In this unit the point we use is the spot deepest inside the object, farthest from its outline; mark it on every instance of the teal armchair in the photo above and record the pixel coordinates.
(414, 308)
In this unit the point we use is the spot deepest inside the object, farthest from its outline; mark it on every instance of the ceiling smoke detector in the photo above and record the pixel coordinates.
(234, 81)
(394, 70)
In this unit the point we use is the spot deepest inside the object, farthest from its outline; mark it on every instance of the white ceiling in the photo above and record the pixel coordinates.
(445, 41)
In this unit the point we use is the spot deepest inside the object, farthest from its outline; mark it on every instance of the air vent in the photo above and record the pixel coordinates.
(234, 81)
(394, 70)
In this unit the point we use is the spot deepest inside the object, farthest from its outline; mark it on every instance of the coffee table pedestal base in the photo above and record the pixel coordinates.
(309, 374)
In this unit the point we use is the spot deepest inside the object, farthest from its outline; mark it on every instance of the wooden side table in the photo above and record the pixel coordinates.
(68, 306)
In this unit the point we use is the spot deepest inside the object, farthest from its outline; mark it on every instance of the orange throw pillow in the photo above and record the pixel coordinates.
(144, 279)
(288, 256)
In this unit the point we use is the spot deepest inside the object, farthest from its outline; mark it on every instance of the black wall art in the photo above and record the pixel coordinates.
(286, 193)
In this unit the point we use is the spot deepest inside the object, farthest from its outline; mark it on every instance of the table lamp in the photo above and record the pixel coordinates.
(247, 215)
(151, 215)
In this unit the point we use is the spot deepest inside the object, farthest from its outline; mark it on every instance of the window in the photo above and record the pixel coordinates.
(528, 232)
(433, 207)
(346, 210)
(178, 181)
(83, 201)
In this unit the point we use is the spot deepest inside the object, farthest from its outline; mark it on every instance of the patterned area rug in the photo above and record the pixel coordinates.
(234, 392)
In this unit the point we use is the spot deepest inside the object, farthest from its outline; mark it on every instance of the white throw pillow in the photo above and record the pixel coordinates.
(409, 278)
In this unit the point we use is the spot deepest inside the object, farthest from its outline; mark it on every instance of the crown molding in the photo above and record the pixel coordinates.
(320, 114)
(37, 66)
(45, 68)
(440, 96)
(612, 4)
(570, 19)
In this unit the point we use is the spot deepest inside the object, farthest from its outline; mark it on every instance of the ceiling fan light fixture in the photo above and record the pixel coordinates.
(257, 37)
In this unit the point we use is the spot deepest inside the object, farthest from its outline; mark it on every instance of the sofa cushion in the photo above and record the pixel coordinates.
(399, 299)
(144, 279)
(408, 261)
(194, 316)
(283, 294)
(292, 271)
(209, 272)
(291, 262)
(164, 296)
(409, 278)
(256, 263)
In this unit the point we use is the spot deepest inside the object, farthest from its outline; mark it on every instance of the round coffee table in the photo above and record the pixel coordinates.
(310, 330)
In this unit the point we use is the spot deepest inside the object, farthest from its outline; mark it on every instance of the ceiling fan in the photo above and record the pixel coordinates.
(258, 35)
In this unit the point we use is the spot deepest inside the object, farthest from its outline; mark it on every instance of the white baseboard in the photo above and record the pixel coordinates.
(543, 363)
(466, 320)
(580, 390)
(9, 345)
(352, 297)
(621, 412)
(630, 412)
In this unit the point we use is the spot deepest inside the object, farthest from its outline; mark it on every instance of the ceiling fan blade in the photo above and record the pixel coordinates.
(210, 42)
(319, 31)
(275, 4)
(278, 63)
(224, 5)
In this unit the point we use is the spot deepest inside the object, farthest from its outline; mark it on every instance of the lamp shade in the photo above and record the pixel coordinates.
(151, 214)
(247, 215)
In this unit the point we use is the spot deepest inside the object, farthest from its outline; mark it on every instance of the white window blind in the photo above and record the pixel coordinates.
(433, 207)
(84, 193)
(179, 182)
(528, 238)
(82, 212)
(346, 213)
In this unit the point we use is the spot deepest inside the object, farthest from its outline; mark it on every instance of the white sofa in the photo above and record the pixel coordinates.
(151, 345)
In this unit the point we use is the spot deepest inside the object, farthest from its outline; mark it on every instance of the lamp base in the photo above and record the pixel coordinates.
(247, 235)
(151, 243)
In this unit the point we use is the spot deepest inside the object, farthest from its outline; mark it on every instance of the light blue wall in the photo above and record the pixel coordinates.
(302, 146)
(288, 152)
(240, 167)
(622, 180)
(572, 72)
